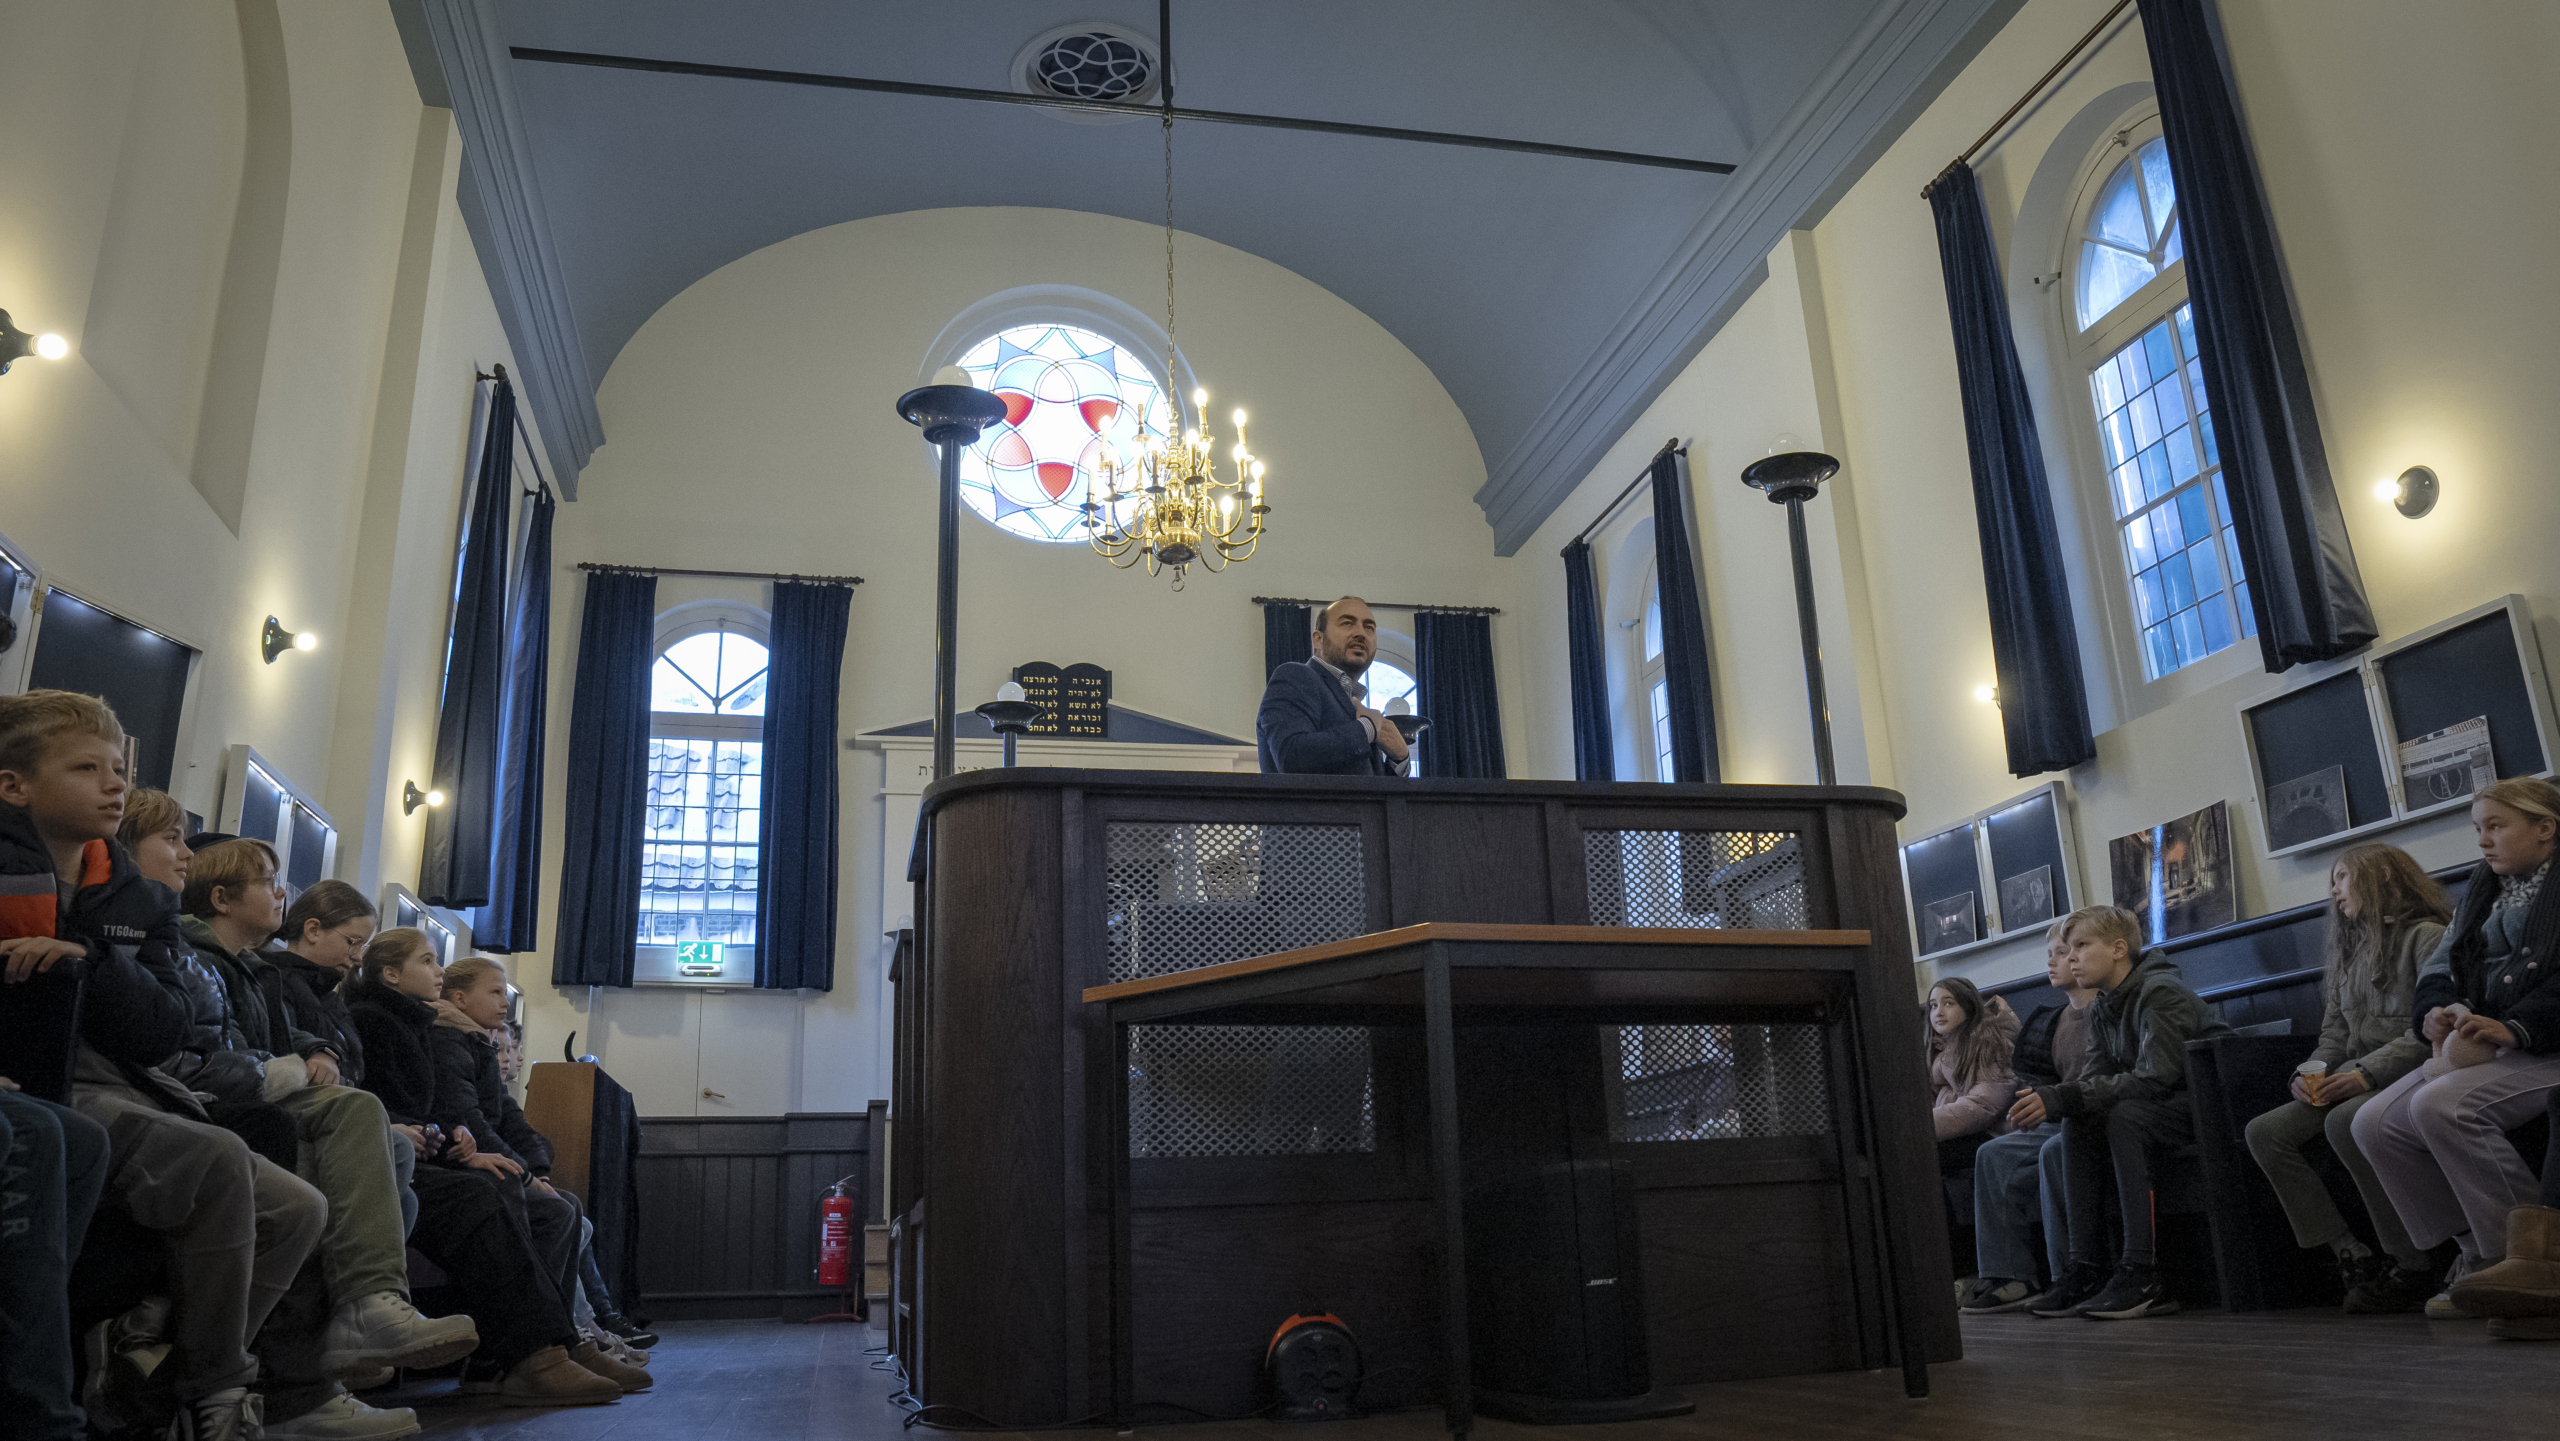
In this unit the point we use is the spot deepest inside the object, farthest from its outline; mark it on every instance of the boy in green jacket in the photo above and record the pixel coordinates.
(2132, 1105)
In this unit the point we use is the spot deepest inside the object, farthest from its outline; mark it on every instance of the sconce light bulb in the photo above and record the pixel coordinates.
(2386, 490)
(52, 347)
(435, 798)
(1986, 694)
(305, 640)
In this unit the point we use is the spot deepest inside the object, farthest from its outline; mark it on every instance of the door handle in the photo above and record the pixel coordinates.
(711, 1095)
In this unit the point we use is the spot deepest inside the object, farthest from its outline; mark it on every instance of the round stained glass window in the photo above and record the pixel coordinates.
(1070, 397)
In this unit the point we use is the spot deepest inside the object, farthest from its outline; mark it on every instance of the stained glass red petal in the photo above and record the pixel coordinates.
(1010, 449)
(1016, 405)
(1055, 477)
(1099, 413)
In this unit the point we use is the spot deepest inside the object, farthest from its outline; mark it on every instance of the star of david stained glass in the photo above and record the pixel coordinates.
(1071, 398)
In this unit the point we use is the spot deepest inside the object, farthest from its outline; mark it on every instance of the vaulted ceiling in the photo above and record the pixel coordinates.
(1552, 297)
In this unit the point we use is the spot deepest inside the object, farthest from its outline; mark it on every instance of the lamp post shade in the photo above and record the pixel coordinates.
(950, 417)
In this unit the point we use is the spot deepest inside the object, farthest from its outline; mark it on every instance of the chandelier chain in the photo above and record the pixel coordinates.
(1168, 241)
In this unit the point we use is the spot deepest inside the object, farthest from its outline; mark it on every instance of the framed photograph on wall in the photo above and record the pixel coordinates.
(2178, 877)
(2414, 727)
(2005, 870)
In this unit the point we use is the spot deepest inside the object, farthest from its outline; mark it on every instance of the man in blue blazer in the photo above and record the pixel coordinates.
(1315, 717)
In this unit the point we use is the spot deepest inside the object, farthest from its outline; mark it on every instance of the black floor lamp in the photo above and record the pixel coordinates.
(1790, 480)
(951, 417)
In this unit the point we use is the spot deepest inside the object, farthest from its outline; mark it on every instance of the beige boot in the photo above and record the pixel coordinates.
(2527, 1283)
(549, 1378)
(592, 1356)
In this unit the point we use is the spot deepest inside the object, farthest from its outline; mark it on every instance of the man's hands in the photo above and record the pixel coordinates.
(1390, 739)
(2029, 1111)
(462, 1147)
(31, 955)
(418, 1141)
(494, 1164)
(320, 1070)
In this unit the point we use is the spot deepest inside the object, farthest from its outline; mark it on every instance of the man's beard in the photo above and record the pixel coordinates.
(1344, 663)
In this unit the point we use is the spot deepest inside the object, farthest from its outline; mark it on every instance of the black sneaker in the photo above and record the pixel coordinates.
(2396, 1291)
(2354, 1271)
(2135, 1292)
(632, 1332)
(2070, 1290)
(1994, 1297)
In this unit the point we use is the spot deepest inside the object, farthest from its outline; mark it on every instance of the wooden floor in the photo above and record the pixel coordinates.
(2207, 1375)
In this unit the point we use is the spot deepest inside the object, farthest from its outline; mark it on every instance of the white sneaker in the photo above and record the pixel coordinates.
(2440, 1306)
(233, 1415)
(344, 1418)
(383, 1329)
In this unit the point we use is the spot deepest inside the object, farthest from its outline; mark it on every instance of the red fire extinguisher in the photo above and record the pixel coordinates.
(835, 1237)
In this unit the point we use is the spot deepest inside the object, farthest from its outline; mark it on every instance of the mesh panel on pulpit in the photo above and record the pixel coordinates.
(1186, 894)
(1708, 1083)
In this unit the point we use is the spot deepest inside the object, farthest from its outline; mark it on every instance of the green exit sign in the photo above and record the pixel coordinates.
(698, 958)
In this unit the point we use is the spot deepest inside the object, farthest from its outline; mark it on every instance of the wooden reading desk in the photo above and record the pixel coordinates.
(1441, 976)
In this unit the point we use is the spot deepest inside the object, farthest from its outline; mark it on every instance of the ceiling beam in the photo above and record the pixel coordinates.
(1104, 107)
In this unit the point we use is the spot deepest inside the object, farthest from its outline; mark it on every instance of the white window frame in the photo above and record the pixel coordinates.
(1646, 672)
(655, 964)
(2079, 355)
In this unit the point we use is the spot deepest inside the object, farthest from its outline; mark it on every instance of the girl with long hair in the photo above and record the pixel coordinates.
(2486, 999)
(1970, 1037)
(2385, 917)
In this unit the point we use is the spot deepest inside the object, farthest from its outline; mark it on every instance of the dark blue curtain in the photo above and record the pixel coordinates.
(2035, 648)
(796, 859)
(460, 833)
(2303, 584)
(1594, 749)
(1287, 635)
(1686, 669)
(608, 783)
(1456, 692)
(511, 920)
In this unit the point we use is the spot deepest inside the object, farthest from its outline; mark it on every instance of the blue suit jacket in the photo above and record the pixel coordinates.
(1307, 727)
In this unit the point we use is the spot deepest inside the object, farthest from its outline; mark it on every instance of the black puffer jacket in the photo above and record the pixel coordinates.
(2502, 965)
(125, 998)
(470, 1092)
(215, 1058)
(315, 1003)
(256, 988)
(400, 1060)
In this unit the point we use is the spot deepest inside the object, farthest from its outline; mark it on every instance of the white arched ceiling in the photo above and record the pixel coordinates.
(1553, 297)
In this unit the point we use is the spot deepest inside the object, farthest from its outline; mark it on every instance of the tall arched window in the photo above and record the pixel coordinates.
(699, 863)
(1068, 393)
(2134, 333)
(1392, 680)
(1653, 682)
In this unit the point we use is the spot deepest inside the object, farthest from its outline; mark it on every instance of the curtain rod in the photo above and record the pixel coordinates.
(1382, 605)
(1108, 107)
(530, 452)
(1669, 447)
(610, 568)
(2032, 92)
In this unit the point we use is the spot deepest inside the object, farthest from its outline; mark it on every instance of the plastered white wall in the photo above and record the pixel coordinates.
(2411, 232)
(753, 428)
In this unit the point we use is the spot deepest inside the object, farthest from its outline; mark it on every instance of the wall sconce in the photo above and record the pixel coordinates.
(275, 640)
(16, 344)
(411, 797)
(2413, 494)
(1987, 694)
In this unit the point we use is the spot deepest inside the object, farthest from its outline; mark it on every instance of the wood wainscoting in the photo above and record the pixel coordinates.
(729, 1209)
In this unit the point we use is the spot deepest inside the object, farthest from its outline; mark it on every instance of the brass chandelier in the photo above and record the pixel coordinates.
(1166, 506)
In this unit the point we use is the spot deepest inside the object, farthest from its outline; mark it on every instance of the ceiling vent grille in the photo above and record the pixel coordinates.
(1094, 60)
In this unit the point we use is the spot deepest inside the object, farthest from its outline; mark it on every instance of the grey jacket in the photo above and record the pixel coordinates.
(2364, 1015)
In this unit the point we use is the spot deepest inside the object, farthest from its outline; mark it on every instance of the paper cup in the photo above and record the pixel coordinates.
(2312, 1068)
